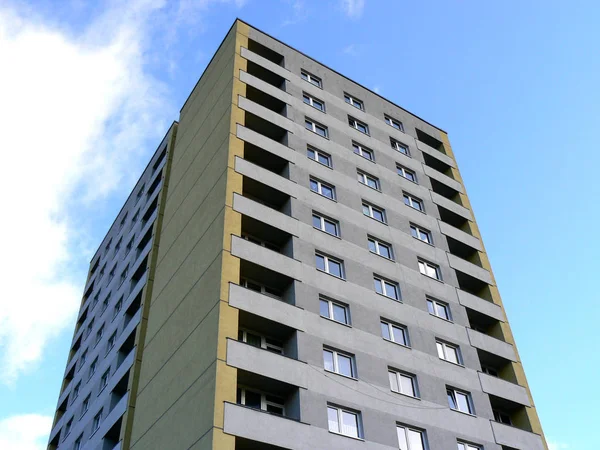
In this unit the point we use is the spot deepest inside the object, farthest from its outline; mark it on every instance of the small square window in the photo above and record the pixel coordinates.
(338, 362)
(77, 444)
(85, 405)
(403, 383)
(104, 379)
(467, 446)
(363, 151)
(99, 334)
(333, 310)
(358, 125)
(93, 367)
(374, 212)
(122, 223)
(413, 202)
(430, 270)
(343, 421)
(111, 342)
(97, 421)
(380, 248)
(330, 265)
(368, 180)
(319, 156)
(118, 307)
(329, 226)
(406, 173)
(395, 333)
(68, 427)
(124, 274)
(322, 188)
(502, 417)
(314, 102)
(394, 123)
(460, 401)
(387, 288)
(399, 147)
(315, 127)
(448, 352)
(75, 392)
(421, 234)
(410, 438)
(354, 102)
(312, 79)
(439, 309)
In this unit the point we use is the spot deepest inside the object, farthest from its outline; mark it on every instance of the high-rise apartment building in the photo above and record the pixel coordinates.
(298, 267)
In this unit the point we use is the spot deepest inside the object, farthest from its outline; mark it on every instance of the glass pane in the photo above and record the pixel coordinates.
(306, 99)
(372, 183)
(413, 232)
(330, 227)
(366, 211)
(324, 159)
(393, 381)
(372, 246)
(328, 360)
(335, 268)
(407, 385)
(402, 440)
(253, 339)
(310, 153)
(409, 176)
(385, 251)
(327, 191)
(275, 409)
(321, 131)
(385, 331)
(406, 200)
(424, 237)
(452, 355)
(463, 402)
(320, 262)
(378, 286)
(332, 420)
(417, 205)
(345, 365)
(415, 440)
(308, 125)
(349, 424)
(430, 307)
(451, 400)
(391, 290)
(441, 311)
(314, 186)
(399, 335)
(440, 350)
(317, 222)
(318, 105)
(378, 215)
(356, 149)
(339, 313)
(252, 399)
(324, 308)
(461, 446)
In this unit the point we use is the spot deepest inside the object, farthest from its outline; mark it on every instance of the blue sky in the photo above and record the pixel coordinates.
(88, 91)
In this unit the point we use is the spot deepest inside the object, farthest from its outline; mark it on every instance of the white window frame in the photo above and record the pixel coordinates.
(351, 100)
(82, 359)
(339, 411)
(455, 394)
(394, 123)
(260, 242)
(312, 79)
(78, 441)
(319, 153)
(498, 417)
(104, 379)
(462, 445)
(118, 307)
(400, 147)
(97, 421)
(110, 343)
(399, 376)
(93, 367)
(320, 185)
(264, 402)
(124, 275)
(330, 310)
(434, 306)
(430, 270)
(85, 405)
(361, 150)
(412, 202)
(312, 100)
(322, 227)
(99, 335)
(404, 440)
(356, 124)
(403, 172)
(418, 231)
(377, 244)
(385, 286)
(490, 371)
(445, 349)
(327, 260)
(366, 179)
(335, 354)
(269, 346)
(264, 289)
(390, 327)
(370, 208)
(68, 427)
(313, 125)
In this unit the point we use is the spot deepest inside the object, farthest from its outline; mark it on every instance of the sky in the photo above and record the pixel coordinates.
(88, 89)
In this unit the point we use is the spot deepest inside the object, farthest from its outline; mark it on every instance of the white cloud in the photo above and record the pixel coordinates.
(377, 90)
(299, 13)
(25, 432)
(353, 8)
(553, 445)
(75, 110)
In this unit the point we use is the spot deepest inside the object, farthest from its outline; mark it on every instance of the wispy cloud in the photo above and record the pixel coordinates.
(377, 89)
(353, 8)
(25, 432)
(554, 445)
(351, 50)
(298, 14)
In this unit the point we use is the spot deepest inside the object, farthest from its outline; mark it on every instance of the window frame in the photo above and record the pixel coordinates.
(99, 335)
(462, 445)
(357, 124)
(317, 153)
(402, 171)
(410, 201)
(97, 421)
(435, 303)
(384, 282)
(391, 121)
(339, 410)
(322, 220)
(77, 443)
(85, 405)
(397, 145)
(319, 190)
(407, 442)
(377, 243)
(330, 310)
(264, 402)
(390, 327)
(326, 260)
(312, 100)
(424, 265)
(93, 368)
(499, 419)
(264, 289)
(314, 125)
(104, 379)
(371, 207)
(398, 374)
(417, 230)
(452, 395)
(275, 346)
(361, 150)
(364, 178)
(310, 78)
(110, 343)
(443, 355)
(352, 100)
(335, 354)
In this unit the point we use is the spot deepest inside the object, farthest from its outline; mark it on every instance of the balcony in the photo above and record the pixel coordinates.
(266, 258)
(491, 345)
(480, 305)
(265, 75)
(265, 214)
(264, 63)
(443, 178)
(430, 141)
(267, 160)
(264, 110)
(265, 52)
(504, 389)
(260, 140)
(266, 100)
(453, 208)
(506, 435)
(470, 269)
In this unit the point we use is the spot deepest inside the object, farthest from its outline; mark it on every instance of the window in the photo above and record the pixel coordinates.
(93, 367)
(85, 405)
(140, 193)
(319, 156)
(135, 218)
(337, 362)
(97, 421)
(459, 401)
(410, 438)
(394, 123)
(118, 245)
(466, 446)
(448, 352)
(111, 342)
(369, 180)
(78, 441)
(105, 303)
(256, 340)
(489, 371)
(99, 334)
(358, 125)
(261, 242)
(406, 173)
(374, 212)
(107, 248)
(380, 248)
(104, 379)
(326, 224)
(343, 421)
(315, 127)
(354, 102)
(258, 400)
(430, 270)
(363, 151)
(439, 309)
(399, 147)
(387, 288)
(76, 390)
(111, 274)
(324, 189)
(129, 246)
(311, 78)
(82, 358)
(118, 307)
(315, 103)
(395, 333)
(89, 328)
(259, 287)
(95, 300)
(68, 427)
(334, 310)
(413, 202)
(501, 417)
(330, 265)
(403, 383)
(122, 223)
(421, 234)
(101, 274)
(124, 274)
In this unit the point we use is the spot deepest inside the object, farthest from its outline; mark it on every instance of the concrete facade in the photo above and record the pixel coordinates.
(232, 306)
